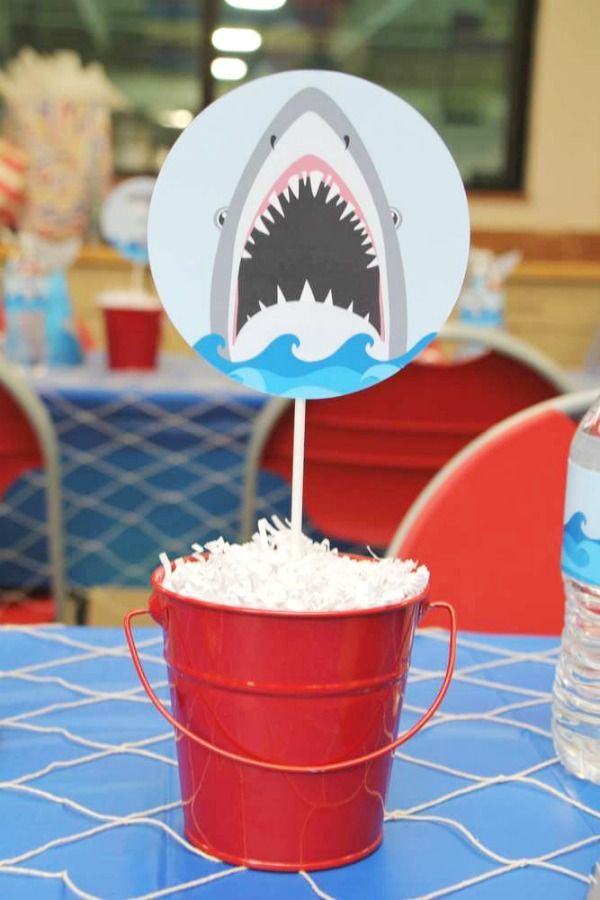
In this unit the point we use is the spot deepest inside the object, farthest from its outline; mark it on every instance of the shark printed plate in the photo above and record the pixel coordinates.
(308, 234)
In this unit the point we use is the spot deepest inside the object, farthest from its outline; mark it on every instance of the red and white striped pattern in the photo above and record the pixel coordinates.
(13, 163)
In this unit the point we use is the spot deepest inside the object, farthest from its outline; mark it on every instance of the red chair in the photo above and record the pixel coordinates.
(27, 442)
(369, 455)
(489, 526)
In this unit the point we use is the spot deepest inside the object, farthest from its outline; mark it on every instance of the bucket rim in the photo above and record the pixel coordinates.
(157, 586)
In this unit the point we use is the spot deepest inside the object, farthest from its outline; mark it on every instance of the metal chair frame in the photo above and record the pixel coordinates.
(574, 404)
(487, 338)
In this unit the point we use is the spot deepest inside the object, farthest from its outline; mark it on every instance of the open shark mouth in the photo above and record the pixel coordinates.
(308, 245)
(312, 220)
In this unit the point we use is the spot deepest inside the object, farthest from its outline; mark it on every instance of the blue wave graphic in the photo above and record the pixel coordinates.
(277, 369)
(136, 253)
(580, 553)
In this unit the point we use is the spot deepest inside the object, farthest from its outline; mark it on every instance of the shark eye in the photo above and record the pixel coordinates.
(346, 141)
(273, 141)
(396, 217)
(220, 216)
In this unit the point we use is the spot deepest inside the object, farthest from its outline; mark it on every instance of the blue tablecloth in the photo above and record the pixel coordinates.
(151, 462)
(90, 797)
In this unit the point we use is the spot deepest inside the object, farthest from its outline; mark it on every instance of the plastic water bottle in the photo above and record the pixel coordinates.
(576, 696)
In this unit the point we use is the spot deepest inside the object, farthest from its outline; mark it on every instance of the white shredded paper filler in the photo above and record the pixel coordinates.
(270, 573)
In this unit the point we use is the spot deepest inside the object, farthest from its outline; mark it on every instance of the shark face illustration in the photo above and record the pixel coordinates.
(309, 245)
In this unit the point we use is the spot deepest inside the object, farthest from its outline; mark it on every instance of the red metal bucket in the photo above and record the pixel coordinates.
(286, 724)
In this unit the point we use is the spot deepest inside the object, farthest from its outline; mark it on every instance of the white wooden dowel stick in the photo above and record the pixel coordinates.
(298, 470)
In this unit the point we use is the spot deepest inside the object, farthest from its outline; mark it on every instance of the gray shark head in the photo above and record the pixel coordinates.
(308, 243)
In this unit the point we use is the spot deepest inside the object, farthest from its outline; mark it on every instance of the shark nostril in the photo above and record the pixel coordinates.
(346, 141)
(273, 141)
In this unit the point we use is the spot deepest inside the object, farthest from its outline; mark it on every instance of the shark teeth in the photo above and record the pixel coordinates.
(294, 184)
(277, 206)
(307, 295)
(316, 178)
(333, 192)
(260, 225)
(274, 202)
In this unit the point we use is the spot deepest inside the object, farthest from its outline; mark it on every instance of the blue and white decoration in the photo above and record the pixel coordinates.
(124, 218)
(581, 533)
(309, 234)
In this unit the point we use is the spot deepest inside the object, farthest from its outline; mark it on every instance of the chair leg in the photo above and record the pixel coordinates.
(81, 601)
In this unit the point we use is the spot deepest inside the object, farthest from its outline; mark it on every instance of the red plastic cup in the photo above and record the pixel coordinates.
(132, 321)
(286, 724)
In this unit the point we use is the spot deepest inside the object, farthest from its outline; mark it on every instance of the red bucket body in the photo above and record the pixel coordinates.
(132, 337)
(292, 689)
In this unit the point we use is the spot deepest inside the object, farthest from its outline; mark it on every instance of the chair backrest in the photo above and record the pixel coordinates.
(489, 526)
(28, 441)
(368, 455)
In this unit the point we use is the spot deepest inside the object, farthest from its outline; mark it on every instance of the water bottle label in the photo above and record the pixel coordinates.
(581, 533)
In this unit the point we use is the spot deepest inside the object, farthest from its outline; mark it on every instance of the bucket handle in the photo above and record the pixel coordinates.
(283, 767)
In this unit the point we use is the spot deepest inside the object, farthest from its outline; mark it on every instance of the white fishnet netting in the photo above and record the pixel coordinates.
(152, 462)
(82, 749)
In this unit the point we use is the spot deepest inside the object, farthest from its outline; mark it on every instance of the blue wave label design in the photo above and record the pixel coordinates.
(580, 553)
(278, 370)
(581, 535)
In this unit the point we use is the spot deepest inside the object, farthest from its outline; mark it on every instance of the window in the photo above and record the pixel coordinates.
(463, 63)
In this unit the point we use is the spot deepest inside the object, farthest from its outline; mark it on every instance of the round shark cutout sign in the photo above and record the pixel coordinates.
(308, 234)
(124, 217)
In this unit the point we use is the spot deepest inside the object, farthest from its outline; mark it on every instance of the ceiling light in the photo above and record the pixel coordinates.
(236, 40)
(228, 68)
(257, 5)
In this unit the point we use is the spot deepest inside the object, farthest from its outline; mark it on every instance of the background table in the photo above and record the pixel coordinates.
(89, 793)
(151, 462)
